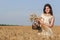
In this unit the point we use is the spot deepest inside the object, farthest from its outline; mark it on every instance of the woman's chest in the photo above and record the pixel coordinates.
(46, 18)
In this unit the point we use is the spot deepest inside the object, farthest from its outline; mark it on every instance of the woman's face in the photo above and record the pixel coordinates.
(47, 9)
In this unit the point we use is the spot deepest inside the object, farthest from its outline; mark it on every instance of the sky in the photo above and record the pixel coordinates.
(17, 12)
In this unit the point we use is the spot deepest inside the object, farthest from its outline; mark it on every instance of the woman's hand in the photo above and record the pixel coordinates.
(42, 22)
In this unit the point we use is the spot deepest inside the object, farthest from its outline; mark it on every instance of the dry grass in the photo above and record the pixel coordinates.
(25, 33)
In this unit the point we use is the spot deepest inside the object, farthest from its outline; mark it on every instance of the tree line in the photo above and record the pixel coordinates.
(8, 25)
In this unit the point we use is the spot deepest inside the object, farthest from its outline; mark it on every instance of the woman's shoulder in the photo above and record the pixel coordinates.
(52, 17)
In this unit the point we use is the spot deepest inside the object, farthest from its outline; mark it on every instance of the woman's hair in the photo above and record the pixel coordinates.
(51, 12)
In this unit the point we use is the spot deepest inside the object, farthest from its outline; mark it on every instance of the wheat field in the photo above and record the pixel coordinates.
(25, 33)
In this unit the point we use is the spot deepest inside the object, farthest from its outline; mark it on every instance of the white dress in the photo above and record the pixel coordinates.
(46, 20)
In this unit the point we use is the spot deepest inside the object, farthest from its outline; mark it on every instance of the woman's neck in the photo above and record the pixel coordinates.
(47, 14)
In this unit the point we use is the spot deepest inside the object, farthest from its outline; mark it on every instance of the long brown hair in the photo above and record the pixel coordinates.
(51, 12)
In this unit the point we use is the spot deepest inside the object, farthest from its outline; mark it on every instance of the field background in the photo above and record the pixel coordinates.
(25, 33)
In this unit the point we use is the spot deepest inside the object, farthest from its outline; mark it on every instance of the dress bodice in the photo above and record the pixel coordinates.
(46, 18)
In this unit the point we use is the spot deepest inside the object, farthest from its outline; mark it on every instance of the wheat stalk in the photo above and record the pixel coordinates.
(32, 17)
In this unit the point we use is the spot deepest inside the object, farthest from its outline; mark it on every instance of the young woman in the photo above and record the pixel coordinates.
(47, 20)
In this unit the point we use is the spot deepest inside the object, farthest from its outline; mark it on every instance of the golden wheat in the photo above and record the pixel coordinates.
(25, 33)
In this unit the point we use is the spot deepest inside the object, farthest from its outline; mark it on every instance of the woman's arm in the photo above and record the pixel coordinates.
(51, 22)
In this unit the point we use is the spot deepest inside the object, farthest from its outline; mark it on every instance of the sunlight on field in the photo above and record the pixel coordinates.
(25, 33)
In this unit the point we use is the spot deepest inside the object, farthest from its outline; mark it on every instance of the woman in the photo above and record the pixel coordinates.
(47, 20)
